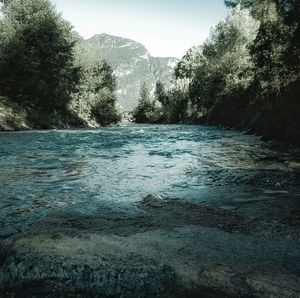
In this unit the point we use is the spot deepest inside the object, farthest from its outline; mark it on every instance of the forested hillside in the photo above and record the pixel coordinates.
(246, 75)
(45, 71)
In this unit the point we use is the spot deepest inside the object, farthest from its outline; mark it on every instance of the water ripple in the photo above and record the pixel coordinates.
(86, 170)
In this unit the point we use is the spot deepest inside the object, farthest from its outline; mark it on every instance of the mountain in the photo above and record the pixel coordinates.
(132, 65)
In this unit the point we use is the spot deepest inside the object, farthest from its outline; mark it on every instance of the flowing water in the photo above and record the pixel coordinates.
(101, 172)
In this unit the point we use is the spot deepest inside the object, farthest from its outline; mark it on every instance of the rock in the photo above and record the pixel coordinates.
(228, 208)
(4, 127)
(275, 192)
(295, 166)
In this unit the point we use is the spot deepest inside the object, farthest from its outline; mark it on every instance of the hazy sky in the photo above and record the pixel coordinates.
(165, 27)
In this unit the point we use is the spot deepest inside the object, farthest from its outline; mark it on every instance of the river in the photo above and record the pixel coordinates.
(108, 170)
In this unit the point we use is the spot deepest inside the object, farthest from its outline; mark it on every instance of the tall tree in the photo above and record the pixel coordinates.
(145, 106)
(95, 101)
(160, 93)
(36, 55)
(225, 69)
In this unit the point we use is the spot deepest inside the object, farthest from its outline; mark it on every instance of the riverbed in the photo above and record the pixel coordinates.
(148, 211)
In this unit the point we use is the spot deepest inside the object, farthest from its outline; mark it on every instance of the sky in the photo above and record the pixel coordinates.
(167, 28)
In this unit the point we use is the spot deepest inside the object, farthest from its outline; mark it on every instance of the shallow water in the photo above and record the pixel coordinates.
(106, 171)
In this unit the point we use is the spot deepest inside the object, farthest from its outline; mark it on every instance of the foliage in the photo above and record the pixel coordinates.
(36, 55)
(167, 106)
(145, 107)
(189, 63)
(160, 93)
(104, 110)
(216, 73)
(45, 68)
(247, 73)
(5, 2)
(94, 101)
(226, 70)
(175, 108)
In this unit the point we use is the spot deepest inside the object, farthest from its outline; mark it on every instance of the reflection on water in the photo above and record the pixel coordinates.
(108, 169)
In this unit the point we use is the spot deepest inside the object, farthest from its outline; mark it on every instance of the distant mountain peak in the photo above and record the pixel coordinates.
(132, 64)
(107, 40)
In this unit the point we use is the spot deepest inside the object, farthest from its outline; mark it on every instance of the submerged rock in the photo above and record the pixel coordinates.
(170, 249)
(294, 166)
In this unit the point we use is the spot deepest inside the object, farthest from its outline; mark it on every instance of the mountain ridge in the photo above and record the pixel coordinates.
(132, 64)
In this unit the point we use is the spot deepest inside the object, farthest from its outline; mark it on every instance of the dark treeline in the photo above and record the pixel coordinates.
(246, 75)
(45, 69)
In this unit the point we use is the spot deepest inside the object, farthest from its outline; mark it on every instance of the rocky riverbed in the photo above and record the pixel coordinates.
(148, 211)
(170, 248)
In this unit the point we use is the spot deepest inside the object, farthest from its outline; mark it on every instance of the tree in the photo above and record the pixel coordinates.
(178, 95)
(101, 76)
(104, 110)
(224, 68)
(247, 73)
(186, 67)
(145, 106)
(94, 101)
(37, 55)
(160, 93)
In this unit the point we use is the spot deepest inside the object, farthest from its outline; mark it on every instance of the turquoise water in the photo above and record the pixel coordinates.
(108, 170)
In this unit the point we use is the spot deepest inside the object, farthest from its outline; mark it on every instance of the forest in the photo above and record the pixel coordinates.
(46, 72)
(246, 75)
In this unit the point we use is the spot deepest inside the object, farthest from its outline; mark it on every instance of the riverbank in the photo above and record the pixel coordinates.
(277, 121)
(14, 117)
(170, 248)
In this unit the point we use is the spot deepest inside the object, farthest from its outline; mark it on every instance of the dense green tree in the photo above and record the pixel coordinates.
(278, 38)
(247, 73)
(160, 93)
(95, 101)
(101, 76)
(224, 70)
(45, 67)
(104, 110)
(36, 55)
(234, 3)
(276, 50)
(145, 105)
(276, 57)
(187, 66)
(176, 108)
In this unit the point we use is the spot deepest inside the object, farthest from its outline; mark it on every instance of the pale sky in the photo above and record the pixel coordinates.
(165, 27)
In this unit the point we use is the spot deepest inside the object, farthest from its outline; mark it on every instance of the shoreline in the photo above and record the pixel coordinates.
(13, 119)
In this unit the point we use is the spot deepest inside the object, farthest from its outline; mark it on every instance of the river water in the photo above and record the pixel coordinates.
(107, 171)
